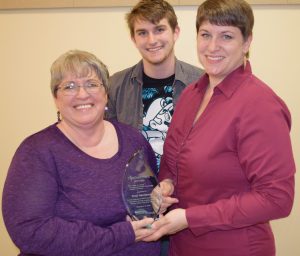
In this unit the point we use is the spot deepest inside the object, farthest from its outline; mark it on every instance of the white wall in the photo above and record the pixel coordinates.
(31, 40)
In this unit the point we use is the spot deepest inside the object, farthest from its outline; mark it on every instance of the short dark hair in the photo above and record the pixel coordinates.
(237, 13)
(153, 11)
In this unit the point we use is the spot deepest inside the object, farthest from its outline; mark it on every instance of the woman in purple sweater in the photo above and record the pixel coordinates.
(62, 195)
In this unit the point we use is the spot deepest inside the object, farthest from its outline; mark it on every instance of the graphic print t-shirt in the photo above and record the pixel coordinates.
(158, 111)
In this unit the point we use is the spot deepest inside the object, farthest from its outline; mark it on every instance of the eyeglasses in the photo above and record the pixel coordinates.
(72, 88)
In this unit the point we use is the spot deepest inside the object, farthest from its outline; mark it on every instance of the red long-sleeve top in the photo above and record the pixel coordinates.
(233, 169)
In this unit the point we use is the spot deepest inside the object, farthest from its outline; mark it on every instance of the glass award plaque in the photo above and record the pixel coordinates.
(139, 196)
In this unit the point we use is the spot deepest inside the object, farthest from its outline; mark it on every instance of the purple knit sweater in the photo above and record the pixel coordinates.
(59, 201)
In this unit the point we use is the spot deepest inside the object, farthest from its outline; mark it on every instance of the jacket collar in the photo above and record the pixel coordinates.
(137, 73)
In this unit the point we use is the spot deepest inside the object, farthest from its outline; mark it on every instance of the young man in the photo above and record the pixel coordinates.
(144, 95)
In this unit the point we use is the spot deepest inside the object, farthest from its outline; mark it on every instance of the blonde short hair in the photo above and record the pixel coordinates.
(77, 62)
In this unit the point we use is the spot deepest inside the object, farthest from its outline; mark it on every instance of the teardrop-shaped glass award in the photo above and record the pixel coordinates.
(139, 196)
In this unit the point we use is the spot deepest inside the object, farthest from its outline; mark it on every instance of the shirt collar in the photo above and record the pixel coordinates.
(230, 83)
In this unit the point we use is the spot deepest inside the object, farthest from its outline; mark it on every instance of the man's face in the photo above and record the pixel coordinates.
(155, 42)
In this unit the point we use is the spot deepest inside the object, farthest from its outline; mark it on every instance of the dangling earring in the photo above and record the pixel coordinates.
(245, 61)
(105, 112)
(58, 116)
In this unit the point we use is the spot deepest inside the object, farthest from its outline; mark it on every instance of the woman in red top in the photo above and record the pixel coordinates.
(228, 167)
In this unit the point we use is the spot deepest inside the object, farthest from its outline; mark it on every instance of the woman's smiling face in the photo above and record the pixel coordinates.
(221, 49)
(82, 109)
